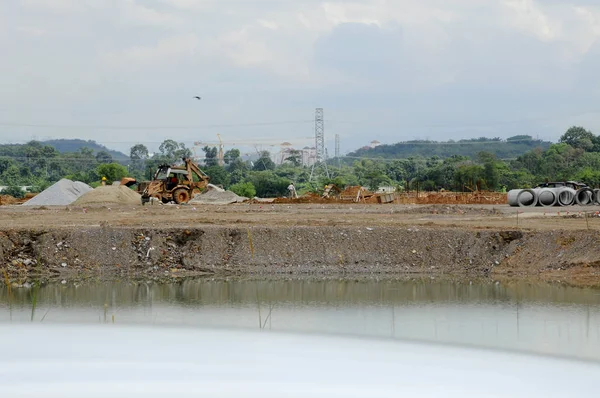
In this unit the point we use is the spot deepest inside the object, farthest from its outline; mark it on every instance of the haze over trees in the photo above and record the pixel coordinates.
(575, 157)
(502, 149)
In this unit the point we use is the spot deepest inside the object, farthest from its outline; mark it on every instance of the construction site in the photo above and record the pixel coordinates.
(107, 232)
(179, 224)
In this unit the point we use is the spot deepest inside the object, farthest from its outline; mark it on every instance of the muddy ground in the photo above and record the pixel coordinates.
(472, 241)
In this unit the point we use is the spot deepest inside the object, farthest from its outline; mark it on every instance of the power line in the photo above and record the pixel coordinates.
(174, 127)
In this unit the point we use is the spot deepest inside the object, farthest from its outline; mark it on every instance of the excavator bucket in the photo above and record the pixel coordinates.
(128, 181)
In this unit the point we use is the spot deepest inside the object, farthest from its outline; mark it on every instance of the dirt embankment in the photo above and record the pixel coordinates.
(221, 250)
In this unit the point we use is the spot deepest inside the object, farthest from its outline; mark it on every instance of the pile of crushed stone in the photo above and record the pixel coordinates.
(63, 192)
(110, 194)
(217, 197)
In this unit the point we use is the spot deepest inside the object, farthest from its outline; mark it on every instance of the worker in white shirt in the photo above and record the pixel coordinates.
(292, 191)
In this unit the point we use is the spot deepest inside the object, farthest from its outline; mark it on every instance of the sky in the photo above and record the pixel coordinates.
(123, 72)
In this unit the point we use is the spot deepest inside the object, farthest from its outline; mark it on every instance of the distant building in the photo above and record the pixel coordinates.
(309, 156)
(375, 143)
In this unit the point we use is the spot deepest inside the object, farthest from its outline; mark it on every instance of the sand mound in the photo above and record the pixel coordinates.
(63, 192)
(217, 197)
(213, 186)
(110, 194)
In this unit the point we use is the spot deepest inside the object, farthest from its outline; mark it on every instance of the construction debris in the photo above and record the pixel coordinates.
(63, 192)
(455, 198)
(109, 194)
(358, 194)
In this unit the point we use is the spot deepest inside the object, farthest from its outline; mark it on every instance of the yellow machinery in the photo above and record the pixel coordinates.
(174, 183)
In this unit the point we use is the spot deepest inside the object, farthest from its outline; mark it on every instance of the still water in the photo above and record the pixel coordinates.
(539, 318)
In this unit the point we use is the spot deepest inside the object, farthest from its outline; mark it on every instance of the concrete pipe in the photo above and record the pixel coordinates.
(512, 197)
(584, 197)
(527, 197)
(596, 196)
(566, 196)
(546, 197)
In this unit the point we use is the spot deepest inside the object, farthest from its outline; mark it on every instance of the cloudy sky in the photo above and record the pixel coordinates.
(125, 71)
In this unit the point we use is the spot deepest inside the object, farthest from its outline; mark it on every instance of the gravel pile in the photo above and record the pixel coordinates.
(109, 194)
(217, 197)
(64, 192)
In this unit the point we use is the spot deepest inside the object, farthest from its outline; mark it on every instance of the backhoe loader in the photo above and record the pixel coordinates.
(174, 183)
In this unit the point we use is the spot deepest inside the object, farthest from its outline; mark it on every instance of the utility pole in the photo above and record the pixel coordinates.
(220, 155)
(321, 157)
(337, 149)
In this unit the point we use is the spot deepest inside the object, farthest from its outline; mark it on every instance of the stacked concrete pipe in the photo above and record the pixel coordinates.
(527, 198)
(546, 196)
(512, 197)
(561, 196)
(584, 197)
(596, 197)
(566, 196)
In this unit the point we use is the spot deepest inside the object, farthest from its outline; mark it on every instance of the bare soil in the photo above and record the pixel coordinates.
(494, 241)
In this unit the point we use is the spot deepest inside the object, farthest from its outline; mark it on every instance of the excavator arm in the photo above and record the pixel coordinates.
(192, 168)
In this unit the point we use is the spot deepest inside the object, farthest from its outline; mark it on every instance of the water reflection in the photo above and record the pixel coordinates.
(552, 319)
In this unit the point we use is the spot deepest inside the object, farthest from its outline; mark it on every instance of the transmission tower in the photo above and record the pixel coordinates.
(337, 149)
(321, 157)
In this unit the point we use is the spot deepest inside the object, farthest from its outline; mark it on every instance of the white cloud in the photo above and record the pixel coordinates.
(268, 24)
(50, 5)
(141, 14)
(167, 50)
(529, 16)
(34, 31)
(412, 55)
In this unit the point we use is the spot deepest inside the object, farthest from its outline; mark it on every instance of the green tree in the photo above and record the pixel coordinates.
(294, 157)
(112, 172)
(104, 157)
(579, 138)
(264, 162)
(231, 156)
(210, 156)
(589, 176)
(168, 148)
(218, 175)
(11, 176)
(138, 154)
(491, 175)
(245, 189)
(467, 176)
(171, 152)
(268, 184)
(14, 191)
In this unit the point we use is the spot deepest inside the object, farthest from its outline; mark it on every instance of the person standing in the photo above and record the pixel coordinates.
(292, 191)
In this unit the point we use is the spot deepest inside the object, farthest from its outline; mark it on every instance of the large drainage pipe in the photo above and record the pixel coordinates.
(596, 197)
(527, 197)
(584, 197)
(566, 196)
(512, 197)
(546, 197)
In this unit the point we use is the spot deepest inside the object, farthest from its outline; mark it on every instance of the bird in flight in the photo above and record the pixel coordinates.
(198, 98)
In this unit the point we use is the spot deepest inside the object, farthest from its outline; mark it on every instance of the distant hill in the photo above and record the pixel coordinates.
(74, 145)
(503, 149)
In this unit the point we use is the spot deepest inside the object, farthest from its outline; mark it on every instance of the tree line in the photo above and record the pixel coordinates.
(575, 157)
(502, 149)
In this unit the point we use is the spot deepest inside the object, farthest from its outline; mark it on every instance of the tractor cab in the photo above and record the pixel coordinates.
(172, 177)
